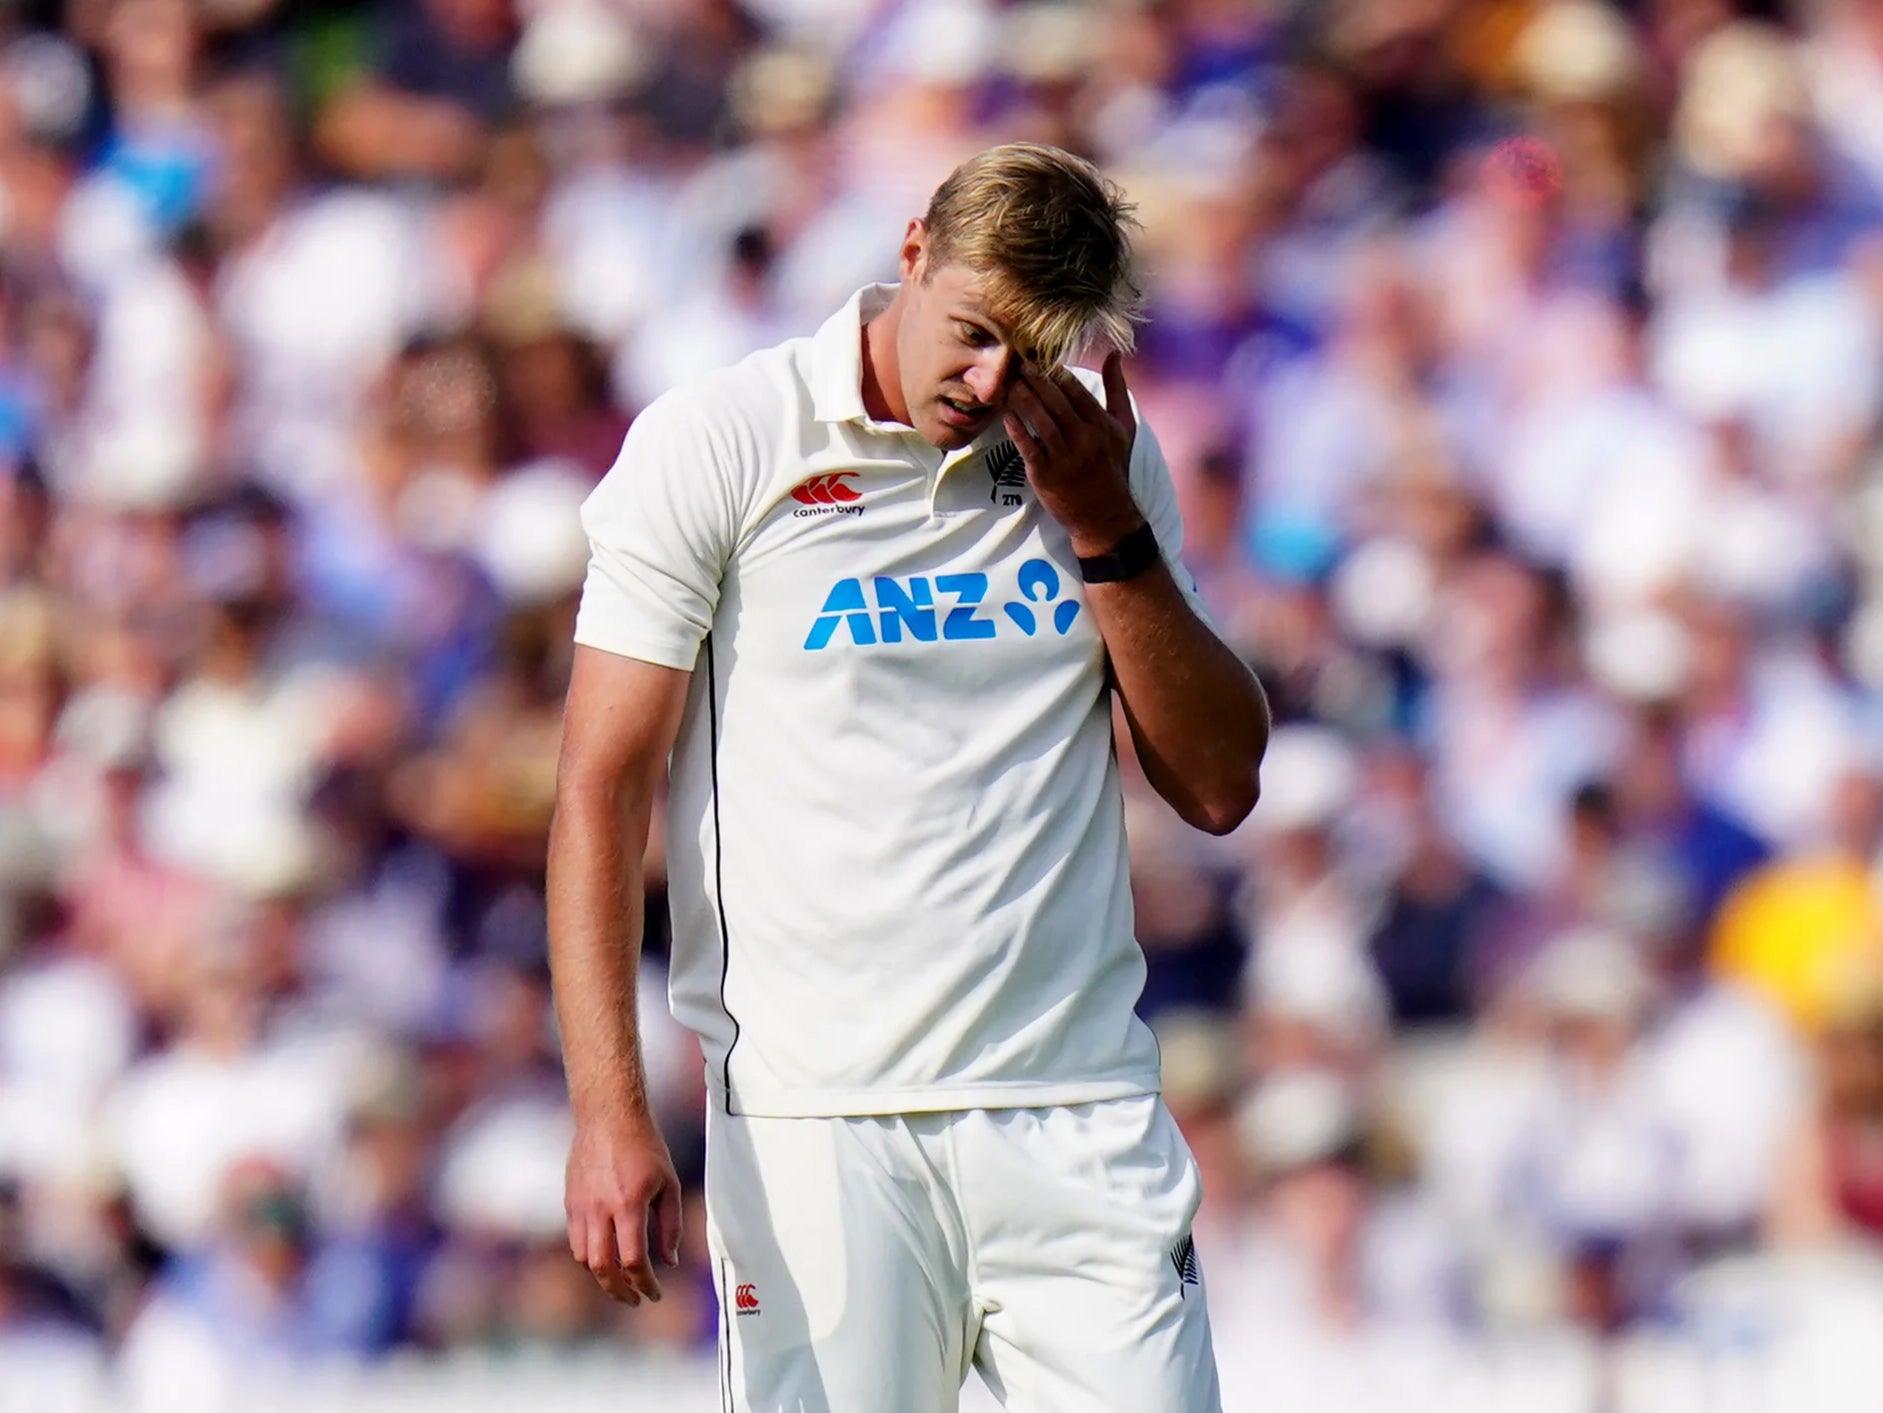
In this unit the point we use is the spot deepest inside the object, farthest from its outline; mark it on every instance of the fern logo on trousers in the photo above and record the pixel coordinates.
(1183, 1257)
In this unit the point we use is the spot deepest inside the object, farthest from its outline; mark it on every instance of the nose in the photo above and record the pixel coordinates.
(986, 377)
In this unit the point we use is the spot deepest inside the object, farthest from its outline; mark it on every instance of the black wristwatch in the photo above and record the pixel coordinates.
(1127, 559)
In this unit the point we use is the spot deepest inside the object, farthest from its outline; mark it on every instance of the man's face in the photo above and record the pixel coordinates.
(956, 362)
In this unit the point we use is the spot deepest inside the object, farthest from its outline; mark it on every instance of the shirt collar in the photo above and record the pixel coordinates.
(837, 372)
(837, 356)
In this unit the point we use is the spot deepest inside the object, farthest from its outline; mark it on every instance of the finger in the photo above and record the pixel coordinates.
(1047, 435)
(615, 1286)
(630, 1225)
(1050, 388)
(1030, 450)
(1117, 395)
(667, 1221)
(598, 1246)
(1078, 397)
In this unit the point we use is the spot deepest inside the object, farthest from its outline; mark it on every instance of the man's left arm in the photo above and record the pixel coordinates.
(1197, 715)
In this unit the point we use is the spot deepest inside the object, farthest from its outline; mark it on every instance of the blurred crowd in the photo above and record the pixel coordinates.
(1520, 365)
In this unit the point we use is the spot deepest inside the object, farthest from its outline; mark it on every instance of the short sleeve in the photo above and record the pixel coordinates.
(661, 526)
(1157, 498)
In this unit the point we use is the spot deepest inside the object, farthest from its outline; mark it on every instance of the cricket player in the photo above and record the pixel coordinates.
(867, 596)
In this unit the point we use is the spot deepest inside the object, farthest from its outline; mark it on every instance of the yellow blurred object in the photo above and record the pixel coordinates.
(1805, 934)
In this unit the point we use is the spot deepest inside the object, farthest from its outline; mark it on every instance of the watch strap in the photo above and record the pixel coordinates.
(1127, 559)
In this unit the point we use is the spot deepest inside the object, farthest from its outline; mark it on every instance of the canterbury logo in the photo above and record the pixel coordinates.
(745, 1298)
(828, 489)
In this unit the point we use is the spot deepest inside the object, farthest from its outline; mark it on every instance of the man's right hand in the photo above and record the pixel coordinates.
(618, 1173)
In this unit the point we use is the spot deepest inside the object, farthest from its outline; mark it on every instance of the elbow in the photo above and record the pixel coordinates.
(597, 793)
(1233, 794)
(1225, 812)
(579, 792)
(1222, 819)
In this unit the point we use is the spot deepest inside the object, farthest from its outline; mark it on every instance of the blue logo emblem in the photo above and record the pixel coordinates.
(947, 608)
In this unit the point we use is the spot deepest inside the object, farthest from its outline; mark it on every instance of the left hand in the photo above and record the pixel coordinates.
(1077, 453)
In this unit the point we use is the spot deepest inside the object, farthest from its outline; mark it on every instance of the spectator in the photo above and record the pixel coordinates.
(1803, 929)
(439, 73)
(1430, 936)
(1832, 1186)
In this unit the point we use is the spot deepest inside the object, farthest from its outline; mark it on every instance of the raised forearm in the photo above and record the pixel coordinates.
(596, 845)
(1198, 716)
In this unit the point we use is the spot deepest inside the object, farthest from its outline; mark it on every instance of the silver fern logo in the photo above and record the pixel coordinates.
(1007, 472)
(1183, 1258)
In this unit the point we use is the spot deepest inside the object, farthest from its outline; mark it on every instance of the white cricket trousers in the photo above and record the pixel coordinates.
(864, 1264)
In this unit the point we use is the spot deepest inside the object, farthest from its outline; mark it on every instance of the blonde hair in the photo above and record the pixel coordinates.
(1051, 236)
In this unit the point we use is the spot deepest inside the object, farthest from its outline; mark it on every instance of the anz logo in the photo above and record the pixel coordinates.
(946, 608)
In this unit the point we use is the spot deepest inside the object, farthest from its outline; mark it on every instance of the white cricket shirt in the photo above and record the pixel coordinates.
(896, 857)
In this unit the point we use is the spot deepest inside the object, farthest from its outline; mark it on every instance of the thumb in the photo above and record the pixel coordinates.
(1117, 395)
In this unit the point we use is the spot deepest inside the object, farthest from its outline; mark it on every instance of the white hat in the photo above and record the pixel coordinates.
(1640, 656)
(1590, 974)
(578, 51)
(258, 846)
(1383, 591)
(783, 90)
(502, 1170)
(946, 42)
(1049, 40)
(1196, 1054)
(140, 463)
(1298, 1117)
(530, 538)
(1737, 80)
(1309, 775)
(1313, 970)
(1578, 50)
